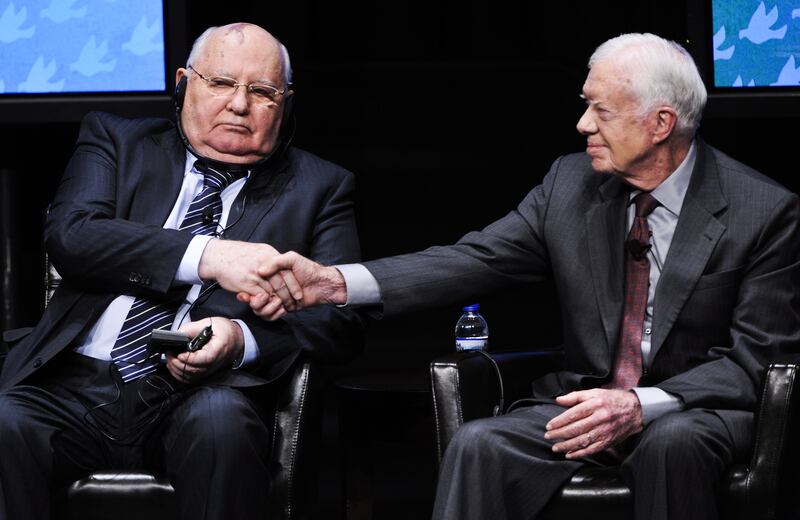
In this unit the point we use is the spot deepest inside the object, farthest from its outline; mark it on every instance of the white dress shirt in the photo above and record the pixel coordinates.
(98, 341)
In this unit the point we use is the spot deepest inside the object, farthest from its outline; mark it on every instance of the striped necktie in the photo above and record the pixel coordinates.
(130, 353)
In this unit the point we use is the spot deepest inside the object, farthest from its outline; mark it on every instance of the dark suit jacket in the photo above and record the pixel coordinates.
(726, 302)
(104, 236)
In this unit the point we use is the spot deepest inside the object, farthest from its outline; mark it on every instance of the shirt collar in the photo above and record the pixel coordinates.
(672, 191)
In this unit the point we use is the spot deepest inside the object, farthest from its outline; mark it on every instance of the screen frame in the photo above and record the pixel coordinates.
(71, 107)
(732, 101)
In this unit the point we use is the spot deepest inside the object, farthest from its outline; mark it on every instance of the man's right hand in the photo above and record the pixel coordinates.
(320, 285)
(236, 267)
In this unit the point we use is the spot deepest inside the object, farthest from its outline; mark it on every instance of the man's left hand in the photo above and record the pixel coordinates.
(596, 419)
(225, 346)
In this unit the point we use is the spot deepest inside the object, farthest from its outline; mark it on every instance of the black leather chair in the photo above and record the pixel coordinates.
(128, 495)
(466, 386)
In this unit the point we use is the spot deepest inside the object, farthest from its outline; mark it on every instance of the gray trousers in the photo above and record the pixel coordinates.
(502, 467)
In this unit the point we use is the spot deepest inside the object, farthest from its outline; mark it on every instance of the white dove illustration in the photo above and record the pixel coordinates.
(719, 39)
(795, 13)
(145, 38)
(10, 23)
(61, 10)
(90, 61)
(738, 82)
(39, 78)
(759, 29)
(789, 75)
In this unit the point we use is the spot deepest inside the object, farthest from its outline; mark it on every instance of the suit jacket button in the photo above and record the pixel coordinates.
(37, 362)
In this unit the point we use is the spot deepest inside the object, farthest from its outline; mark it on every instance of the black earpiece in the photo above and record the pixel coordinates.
(180, 94)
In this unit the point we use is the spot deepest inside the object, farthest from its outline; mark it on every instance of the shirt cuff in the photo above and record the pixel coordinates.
(251, 352)
(190, 263)
(362, 287)
(656, 402)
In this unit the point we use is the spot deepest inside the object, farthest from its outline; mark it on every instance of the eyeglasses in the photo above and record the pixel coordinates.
(222, 86)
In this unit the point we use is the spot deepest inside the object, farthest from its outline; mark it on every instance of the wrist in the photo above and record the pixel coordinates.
(206, 268)
(338, 294)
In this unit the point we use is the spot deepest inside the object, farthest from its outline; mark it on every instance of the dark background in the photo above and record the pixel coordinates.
(448, 112)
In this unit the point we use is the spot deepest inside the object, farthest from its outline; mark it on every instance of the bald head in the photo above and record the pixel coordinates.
(238, 33)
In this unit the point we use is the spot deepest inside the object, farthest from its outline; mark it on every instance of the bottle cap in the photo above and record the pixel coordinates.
(473, 307)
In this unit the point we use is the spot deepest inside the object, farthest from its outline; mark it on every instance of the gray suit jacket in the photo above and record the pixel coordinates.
(727, 300)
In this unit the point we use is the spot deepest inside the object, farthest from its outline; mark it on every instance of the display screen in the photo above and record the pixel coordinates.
(82, 46)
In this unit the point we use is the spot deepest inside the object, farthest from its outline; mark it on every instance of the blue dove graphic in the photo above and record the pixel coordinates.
(789, 74)
(61, 10)
(739, 83)
(10, 24)
(719, 39)
(90, 61)
(39, 78)
(759, 29)
(145, 38)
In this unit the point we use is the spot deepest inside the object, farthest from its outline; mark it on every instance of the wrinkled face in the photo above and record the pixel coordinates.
(619, 137)
(234, 127)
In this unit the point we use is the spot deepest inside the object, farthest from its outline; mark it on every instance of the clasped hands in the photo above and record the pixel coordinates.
(595, 420)
(271, 283)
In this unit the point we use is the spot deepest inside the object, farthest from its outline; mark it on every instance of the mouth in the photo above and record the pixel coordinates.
(593, 147)
(234, 127)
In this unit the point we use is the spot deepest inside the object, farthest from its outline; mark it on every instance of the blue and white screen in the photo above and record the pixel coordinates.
(51, 46)
(756, 43)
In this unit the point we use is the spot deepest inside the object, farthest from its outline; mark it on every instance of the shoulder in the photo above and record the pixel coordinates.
(745, 186)
(309, 168)
(104, 125)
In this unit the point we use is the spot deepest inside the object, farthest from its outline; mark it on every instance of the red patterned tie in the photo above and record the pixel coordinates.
(628, 366)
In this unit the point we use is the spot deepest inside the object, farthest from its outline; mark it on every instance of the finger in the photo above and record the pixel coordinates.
(281, 290)
(199, 359)
(573, 398)
(243, 297)
(569, 416)
(574, 429)
(272, 311)
(578, 443)
(259, 301)
(595, 447)
(282, 262)
(292, 284)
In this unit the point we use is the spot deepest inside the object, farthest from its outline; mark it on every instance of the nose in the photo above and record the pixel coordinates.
(586, 125)
(239, 103)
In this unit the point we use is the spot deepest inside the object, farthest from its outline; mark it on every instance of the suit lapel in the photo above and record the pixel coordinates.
(605, 226)
(695, 238)
(163, 162)
(258, 197)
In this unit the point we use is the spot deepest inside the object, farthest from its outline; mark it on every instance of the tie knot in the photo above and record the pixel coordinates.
(217, 178)
(645, 204)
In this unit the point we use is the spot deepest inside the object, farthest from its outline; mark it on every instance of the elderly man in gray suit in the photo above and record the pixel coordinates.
(677, 272)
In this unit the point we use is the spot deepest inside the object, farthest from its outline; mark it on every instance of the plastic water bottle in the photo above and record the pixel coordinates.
(472, 332)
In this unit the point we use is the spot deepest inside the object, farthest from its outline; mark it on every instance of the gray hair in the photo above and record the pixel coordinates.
(662, 73)
(199, 43)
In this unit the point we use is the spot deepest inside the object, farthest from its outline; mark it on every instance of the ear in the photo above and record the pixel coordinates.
(666, 119)
(180, 73)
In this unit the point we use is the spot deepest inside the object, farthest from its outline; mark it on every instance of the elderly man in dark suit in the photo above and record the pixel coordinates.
(135, 231)
(677, 273)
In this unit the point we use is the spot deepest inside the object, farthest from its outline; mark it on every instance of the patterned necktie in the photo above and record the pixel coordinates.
(628, 365)
(130, 353)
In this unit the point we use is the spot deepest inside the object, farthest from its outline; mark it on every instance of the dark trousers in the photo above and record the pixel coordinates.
(502, 467)
(77, 417)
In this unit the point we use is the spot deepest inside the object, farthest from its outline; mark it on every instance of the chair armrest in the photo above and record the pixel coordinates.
(772, 481)
(465, 385)
(295, 440)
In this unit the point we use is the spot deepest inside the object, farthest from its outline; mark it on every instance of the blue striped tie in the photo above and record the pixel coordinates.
(130, 353)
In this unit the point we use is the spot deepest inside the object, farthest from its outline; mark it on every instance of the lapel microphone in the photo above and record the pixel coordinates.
(208, 215)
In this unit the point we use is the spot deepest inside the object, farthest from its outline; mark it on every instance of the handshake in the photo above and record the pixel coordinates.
(271, 283)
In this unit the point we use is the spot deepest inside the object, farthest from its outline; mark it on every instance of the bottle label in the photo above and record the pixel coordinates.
(472, 343)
